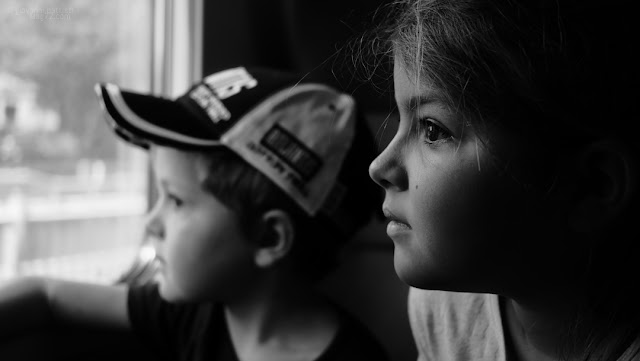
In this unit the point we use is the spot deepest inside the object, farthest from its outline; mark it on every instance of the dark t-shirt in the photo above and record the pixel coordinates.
(199, 331)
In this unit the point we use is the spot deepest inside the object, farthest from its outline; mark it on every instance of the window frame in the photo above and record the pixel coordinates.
(177, 63)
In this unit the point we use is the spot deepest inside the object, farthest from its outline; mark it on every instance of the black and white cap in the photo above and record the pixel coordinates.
(296, 133)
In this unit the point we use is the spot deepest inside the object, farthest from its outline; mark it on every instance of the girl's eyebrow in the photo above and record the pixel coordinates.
(416, 101)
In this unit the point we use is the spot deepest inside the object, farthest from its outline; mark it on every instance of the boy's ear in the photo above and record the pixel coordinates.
(609, 178)
(276, 238)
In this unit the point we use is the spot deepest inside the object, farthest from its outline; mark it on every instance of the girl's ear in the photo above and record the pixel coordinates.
(609, 179)
(276, 239)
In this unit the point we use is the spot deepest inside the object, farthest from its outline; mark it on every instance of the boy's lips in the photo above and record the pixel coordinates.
(159, 261)
(160, 267)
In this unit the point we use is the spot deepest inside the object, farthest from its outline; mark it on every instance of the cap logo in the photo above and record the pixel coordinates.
(229, 82)
(219, 86)
(292, 152)
(210, 103)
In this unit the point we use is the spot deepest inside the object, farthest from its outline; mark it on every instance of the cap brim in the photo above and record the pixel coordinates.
(143, 120)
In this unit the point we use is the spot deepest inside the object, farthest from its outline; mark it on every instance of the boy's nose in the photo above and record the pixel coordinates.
(154, 230)
(154, 227)
(388, 171)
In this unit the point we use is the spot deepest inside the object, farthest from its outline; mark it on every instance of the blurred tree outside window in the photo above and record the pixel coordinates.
(72, 195)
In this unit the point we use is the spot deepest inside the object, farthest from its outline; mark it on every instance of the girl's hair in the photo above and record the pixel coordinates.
(515, 62)
(318, 240)
(560, 74)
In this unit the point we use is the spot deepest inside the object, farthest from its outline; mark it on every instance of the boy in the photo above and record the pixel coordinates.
(261, 178)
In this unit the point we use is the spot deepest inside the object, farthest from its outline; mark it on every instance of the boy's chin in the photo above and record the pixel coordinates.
(167, 292)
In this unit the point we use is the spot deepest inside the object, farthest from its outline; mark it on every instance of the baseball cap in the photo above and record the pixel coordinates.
(295, 132)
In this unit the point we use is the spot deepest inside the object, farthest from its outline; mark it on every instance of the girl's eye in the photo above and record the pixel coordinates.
(433, 133)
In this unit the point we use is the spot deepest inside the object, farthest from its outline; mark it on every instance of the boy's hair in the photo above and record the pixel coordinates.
(270, 140)
(317, 239)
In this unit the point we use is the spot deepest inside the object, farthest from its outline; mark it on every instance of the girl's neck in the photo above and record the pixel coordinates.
(540, 307)
(537, 330)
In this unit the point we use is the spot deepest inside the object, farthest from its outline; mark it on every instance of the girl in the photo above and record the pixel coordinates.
(511, 181)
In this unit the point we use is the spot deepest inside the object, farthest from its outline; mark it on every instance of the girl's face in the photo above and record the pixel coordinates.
(458, 221)
(200, 247)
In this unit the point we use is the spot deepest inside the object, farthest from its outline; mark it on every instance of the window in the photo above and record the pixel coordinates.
(72, 196)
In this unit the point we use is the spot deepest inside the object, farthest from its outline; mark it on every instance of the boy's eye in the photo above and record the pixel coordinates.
(174, 201)
(433, 133)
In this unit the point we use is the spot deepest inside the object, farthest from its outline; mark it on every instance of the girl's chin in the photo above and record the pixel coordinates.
(412, 274)
(404, 269)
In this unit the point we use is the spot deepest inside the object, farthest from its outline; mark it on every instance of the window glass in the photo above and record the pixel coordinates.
(72, 196)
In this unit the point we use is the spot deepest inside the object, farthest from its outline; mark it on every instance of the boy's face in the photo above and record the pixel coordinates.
(201, 250)
(457, 221)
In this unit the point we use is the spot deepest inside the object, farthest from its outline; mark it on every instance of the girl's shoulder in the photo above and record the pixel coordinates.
(465, 306)
(456, 325)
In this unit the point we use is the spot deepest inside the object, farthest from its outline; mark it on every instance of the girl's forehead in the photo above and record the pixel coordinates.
(405, 79)
(412, 88)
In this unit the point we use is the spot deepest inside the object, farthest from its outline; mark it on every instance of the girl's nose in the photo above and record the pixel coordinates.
(388, 169)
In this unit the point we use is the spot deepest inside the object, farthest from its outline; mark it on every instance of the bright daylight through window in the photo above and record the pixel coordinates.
(71, 194)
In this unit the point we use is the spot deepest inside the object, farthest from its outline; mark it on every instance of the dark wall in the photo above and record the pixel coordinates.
(301, 36)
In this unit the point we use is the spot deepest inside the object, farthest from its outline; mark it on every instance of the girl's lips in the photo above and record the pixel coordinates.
(396, 225)
(396, 228)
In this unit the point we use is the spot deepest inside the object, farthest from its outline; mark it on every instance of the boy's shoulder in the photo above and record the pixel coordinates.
(353, 341)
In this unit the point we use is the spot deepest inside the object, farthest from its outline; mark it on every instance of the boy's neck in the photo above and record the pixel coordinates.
(282, 311)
